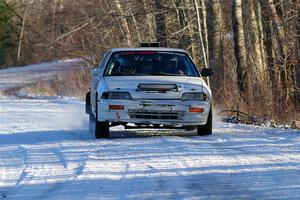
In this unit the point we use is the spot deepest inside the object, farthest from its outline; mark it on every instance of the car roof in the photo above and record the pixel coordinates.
(148, 49)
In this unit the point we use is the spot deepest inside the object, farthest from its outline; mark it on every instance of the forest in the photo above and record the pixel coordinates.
(252, 45)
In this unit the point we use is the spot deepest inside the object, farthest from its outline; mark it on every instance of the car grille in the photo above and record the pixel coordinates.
(155, 114)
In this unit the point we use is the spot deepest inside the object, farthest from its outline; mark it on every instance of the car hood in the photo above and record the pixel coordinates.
(130, 84)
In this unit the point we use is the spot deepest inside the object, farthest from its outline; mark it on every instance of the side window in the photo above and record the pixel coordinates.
(104, 60)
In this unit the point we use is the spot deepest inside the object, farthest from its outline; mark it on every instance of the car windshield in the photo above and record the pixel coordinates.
(150, 63)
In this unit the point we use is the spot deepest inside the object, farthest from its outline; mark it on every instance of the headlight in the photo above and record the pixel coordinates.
(195, 96)
(116, 95)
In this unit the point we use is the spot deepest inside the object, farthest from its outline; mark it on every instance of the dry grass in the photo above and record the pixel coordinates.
(261, 107)
(73, 83)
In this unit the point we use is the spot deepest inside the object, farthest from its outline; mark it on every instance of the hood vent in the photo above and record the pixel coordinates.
(157, 87)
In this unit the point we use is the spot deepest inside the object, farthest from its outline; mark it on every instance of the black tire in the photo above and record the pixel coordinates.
(206, 129)
(92, 121)
(101, 128)
(88, 103)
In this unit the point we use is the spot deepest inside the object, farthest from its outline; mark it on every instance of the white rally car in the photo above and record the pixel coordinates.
(149, 88)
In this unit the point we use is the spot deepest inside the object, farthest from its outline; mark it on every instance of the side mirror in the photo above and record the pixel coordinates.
(207, 72)
(94, 72)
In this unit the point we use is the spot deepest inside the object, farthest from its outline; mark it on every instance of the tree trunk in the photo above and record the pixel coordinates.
(297, 63)
(256, 34)
(124, 23)
(281, 52)
(240, 50)
(53, 20)
(136, 26)
(160, 20)
(22, 33)
(259, 19)
(190, 16)
(260, 81)
(270, 48)
(181, 18)
(214, 28)
(203, 16)
(199, 27)
(298, 53)
(150, 20)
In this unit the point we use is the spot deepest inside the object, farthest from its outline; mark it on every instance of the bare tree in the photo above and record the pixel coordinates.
(125, 24)
(215, 45)
(160, 20)
(203, 16)
(298, 51)
(239, 49)
(150, 20)
(259, 62)
(200, 32)
(24, 18)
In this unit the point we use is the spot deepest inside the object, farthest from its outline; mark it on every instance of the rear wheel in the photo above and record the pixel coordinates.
(206, 129)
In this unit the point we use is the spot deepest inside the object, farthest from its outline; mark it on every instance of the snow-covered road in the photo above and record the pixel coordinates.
(18, 77)
(46, 152)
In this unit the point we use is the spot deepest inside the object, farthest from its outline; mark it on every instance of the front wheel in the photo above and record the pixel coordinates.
(206, 129)
(101, 129)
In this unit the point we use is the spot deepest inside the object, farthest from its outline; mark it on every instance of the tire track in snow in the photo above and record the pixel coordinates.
(245, 151)
(225, 184)
(61, 157)
(196, 185)
(175, 193)
(77, 171)
(24, 172)
(124, 181)
(50, 192)
(2, 195)
(222, 149)
(163, 184)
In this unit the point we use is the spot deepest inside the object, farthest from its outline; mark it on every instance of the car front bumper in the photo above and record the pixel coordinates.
(166, 112)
